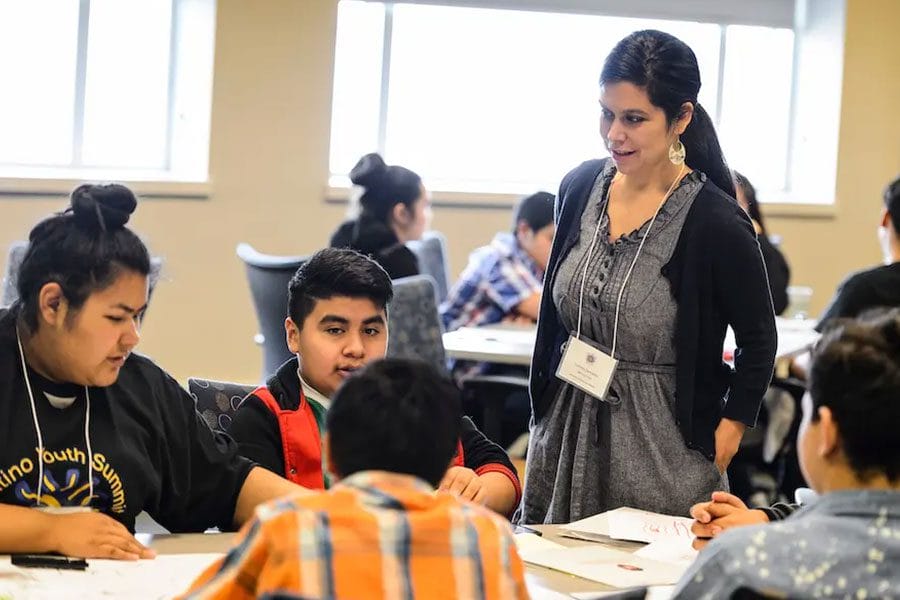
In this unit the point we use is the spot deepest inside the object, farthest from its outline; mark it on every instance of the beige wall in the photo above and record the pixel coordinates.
(269, 166)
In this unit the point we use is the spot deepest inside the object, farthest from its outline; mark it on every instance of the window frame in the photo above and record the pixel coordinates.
(189, 89)
(793, 14)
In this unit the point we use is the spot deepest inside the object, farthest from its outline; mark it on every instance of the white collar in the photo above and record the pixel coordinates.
(312, 393)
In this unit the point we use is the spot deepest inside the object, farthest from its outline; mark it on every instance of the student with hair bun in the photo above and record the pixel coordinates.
(394, 208)
(93, 434)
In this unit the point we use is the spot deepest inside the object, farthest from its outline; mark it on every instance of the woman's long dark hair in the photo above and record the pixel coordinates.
(667, 68)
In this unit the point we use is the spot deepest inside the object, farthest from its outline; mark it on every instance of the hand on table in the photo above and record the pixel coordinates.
(723, 512)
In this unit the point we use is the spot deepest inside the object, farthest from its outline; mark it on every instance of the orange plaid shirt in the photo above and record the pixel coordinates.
(373, 535)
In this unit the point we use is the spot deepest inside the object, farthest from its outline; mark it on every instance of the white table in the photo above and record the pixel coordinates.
(543, 584)
(514, 345)
(506, 344)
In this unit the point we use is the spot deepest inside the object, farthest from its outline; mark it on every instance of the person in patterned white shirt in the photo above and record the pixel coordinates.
(845, 543)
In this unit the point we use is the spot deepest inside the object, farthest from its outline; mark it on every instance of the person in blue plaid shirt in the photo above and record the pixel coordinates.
(503, 280)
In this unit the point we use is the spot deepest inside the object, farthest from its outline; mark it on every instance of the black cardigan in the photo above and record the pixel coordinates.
(717, 277)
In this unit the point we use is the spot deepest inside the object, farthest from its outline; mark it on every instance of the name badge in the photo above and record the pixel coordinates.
(587, 368)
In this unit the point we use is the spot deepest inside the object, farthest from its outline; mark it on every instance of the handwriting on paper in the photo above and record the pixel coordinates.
(644, 526)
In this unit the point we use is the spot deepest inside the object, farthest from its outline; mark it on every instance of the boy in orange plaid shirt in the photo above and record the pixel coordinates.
(382, 531)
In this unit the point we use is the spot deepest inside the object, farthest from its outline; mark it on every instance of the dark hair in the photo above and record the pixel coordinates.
(397, 415)
(336, 272)
(536, 210)
(667, 69)
(84, 249)
(750, 196)
(855, 372)
(892, 202)
(385, 187)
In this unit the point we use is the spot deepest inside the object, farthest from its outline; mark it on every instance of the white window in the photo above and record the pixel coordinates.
(498, 100)
(110, 89)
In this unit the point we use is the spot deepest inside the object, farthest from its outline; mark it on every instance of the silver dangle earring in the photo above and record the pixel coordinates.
(677, 152)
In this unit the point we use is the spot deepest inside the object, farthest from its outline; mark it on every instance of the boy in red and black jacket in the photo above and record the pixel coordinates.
(337, 323)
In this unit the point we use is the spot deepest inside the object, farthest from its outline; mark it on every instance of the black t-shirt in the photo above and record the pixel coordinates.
(151, 450)
(878, 287)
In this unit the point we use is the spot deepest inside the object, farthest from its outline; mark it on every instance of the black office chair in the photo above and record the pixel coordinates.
(216, 401)
(269, 277)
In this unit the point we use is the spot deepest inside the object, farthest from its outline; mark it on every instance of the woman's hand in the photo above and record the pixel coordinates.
(728, 440)
(94, 535)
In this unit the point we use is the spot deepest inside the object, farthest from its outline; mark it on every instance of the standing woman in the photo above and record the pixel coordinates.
(394, 209)
(91, 434)
(652, 260)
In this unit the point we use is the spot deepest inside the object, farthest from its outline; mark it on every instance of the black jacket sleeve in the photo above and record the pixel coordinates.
(201, 471)
(256, 431)
(780, 511)
(849, 300)
(778, 271)
(743, 294)
(479, 451)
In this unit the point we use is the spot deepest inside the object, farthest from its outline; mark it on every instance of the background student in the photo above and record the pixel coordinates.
(777, 268)
(503, 280)
(394, 208)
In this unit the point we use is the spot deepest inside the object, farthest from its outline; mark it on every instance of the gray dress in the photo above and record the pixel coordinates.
(586, 456)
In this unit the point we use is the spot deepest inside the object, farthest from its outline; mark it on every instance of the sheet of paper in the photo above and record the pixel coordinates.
(632, 524)
(160, 578)
(674, 550)
(612, 567)
(596, 525)
(645, 526)
(528, 541)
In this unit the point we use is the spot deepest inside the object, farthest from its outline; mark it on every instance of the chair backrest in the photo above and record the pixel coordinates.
(268, 277)
(414, 322)
(14, 260)
(431, 252)
(216, 401)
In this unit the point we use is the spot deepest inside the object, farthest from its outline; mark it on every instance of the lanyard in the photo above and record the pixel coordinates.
(40, 440)
(587, 261)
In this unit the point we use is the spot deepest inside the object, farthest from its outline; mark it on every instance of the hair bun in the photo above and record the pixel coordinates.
(369, 170)
(107, 207)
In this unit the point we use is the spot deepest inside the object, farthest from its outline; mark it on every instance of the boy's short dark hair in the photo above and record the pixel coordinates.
(536, 210)
(397, 415)
(336, 272)
(855, 372)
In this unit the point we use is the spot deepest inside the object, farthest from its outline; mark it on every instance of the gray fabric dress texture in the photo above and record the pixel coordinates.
(585, 455)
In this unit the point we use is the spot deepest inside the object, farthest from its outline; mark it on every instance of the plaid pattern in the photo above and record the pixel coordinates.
(373, 535)
(498, 278)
